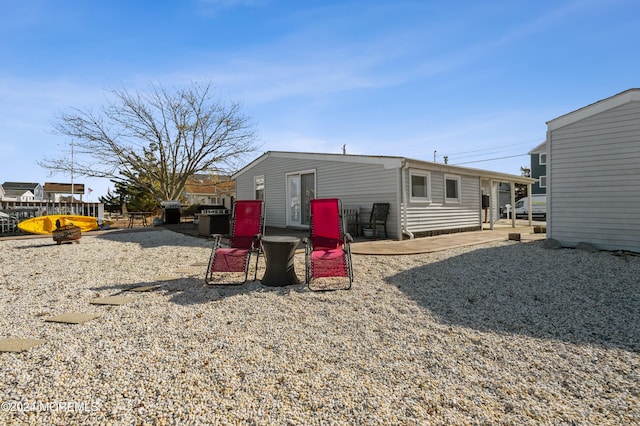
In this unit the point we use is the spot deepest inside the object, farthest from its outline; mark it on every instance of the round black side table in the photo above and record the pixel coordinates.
(279, 252)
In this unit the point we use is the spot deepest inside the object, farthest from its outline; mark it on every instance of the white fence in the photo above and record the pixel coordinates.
(21, 210)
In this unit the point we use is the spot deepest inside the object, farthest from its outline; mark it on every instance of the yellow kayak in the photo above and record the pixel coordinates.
(47, 224)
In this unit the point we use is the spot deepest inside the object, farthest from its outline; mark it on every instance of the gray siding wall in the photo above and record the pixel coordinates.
(595, 180)
(439, 215)
(357, 185)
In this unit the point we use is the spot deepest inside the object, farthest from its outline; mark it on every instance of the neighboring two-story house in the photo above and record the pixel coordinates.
(22, 191)
(539, 169)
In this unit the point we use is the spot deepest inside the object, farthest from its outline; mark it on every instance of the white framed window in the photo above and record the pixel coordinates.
(420, 186)
(542, 159)
(542, 183)
(258, 187)
(452, 189)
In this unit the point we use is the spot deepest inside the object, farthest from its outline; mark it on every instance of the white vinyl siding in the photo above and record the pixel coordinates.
(594, 180)
(438, 215)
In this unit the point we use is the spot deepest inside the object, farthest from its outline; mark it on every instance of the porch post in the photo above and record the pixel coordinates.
(513, 204)
(491, 201)
(530, 202)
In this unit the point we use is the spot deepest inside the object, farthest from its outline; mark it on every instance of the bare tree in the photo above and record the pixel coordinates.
(156, 140)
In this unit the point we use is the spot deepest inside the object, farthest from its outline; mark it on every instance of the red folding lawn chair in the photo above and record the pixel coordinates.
(247, 221)
(327, 249)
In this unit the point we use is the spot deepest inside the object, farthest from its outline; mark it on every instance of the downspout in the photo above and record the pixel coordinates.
(403, 197)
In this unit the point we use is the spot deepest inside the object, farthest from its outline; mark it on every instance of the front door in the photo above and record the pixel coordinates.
(301, 188)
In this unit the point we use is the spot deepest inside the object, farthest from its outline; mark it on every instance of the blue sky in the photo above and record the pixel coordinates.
(474, 80)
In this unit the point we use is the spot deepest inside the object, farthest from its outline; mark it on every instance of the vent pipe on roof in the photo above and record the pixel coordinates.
(344, 149)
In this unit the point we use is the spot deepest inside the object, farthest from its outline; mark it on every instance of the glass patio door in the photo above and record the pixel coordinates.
(301, 188)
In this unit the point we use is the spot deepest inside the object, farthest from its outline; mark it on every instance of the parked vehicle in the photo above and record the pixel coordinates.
(538, 206)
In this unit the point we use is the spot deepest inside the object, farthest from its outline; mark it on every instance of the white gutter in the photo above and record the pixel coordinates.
(403, 196)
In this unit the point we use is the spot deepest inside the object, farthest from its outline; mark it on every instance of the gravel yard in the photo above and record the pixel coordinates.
(500, 333)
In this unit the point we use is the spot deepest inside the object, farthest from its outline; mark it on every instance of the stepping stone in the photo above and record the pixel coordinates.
(73, 318)
(538, 229)
(18, 345)
(112, 300)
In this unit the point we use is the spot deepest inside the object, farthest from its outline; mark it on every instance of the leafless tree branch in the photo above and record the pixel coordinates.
(156, 139)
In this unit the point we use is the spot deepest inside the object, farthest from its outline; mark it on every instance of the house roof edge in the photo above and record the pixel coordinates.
(389, 162)
(629, 95)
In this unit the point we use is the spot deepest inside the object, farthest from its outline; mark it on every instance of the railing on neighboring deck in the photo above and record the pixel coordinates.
(22, 210)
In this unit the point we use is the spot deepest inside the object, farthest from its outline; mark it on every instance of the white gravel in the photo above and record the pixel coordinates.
(502, 333)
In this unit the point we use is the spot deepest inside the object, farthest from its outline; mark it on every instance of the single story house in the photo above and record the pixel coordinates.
(426, 198)
(593, 174)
